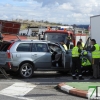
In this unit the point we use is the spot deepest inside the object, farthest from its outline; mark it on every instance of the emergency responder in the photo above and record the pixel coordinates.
(82, 43)
(85, 61)
(71, 45)
(95, 58)
(64, 45)
(86, 64)
(68, 41)
(76, 61)
(55, 56)
(42, 36)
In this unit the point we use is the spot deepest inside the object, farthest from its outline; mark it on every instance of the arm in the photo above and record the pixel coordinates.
(79, 50)
(92, 49)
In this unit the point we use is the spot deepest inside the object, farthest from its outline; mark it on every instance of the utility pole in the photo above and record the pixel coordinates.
(28, 29)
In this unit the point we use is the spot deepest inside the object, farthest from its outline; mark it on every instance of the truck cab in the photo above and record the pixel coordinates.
(58, 36)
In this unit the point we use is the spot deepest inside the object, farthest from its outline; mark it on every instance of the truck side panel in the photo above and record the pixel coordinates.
(95, 28)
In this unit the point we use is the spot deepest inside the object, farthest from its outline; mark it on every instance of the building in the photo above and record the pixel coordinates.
(26, 32)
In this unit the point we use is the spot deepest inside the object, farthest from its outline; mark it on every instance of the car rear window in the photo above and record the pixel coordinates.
(24, 47)
(4, 46)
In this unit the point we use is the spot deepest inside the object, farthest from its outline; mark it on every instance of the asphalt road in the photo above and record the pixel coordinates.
(42, 86)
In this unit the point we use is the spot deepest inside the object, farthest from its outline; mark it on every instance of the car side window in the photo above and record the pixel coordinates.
(24, 47)
(54, 47)
(41, 47)
(33, 48)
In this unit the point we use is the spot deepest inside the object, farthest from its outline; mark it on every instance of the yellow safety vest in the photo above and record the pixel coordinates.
(85, 62)
(65, 47)
(96, 53)
(82, 44)
(75, 52)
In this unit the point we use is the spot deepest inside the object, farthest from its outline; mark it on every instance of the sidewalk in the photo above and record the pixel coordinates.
(77, 88)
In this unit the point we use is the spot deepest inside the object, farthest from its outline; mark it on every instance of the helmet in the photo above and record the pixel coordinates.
(85, 52)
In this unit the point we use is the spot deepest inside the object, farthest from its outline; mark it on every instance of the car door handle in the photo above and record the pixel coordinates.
(34, 55)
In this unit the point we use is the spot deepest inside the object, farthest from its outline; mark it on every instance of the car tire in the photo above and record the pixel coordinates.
(26, 70)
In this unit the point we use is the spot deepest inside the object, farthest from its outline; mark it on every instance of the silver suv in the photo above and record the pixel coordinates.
(27, 56)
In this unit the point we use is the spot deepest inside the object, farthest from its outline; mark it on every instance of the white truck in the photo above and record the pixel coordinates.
(94, 33)
(95, 28)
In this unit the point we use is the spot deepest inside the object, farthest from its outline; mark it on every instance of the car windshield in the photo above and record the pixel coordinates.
(55, 37)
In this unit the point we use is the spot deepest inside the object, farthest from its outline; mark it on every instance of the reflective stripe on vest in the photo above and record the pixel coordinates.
(96, 53)
(82, 44)
(75, 52)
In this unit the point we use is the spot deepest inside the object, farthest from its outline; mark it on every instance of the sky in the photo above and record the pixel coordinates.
(60, 11)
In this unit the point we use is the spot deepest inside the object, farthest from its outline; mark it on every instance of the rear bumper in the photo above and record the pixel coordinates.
(9, 67)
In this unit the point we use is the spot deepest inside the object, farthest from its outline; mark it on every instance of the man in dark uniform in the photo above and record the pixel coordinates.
(68, 42)
(76, 61)
(95, 49)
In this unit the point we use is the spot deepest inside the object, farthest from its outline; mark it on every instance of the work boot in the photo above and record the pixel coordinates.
(74, 78)
(81, 78)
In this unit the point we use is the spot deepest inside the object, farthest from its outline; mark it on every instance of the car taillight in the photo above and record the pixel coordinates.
(8, 51)
(8, 54)
(9, 65)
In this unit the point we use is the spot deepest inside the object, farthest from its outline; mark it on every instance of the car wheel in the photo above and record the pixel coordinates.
(26, 70)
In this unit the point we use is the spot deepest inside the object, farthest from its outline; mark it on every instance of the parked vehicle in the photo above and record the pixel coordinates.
(94, 32)
(58, 35)
(27, 56)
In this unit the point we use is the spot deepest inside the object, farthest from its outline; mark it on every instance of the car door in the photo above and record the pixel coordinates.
(66, 58)
(41, 55)
(60, 55)
(63, 59)
(88, 48)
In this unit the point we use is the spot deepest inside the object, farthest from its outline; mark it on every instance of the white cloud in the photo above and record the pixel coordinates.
(64, 11)
(66, 6)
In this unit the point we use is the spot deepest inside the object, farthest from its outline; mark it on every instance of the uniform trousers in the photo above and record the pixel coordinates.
(76, 64)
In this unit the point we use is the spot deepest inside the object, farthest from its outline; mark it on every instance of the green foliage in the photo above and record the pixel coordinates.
(26, 23)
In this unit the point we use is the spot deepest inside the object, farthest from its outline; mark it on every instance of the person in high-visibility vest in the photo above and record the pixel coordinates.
(71, 45)
(82, 43)
(95, 50)
(76, 61)
(64, 45)
(85, 60)
(68, 41)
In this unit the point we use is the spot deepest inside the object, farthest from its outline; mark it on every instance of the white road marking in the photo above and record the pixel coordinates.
(18, 90)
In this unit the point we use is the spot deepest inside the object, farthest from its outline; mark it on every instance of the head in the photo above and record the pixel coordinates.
(93, 41)
(79, 44)
(80, 40)
(68, 37)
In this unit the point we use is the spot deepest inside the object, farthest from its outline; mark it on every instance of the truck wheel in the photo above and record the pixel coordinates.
(26, 70)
